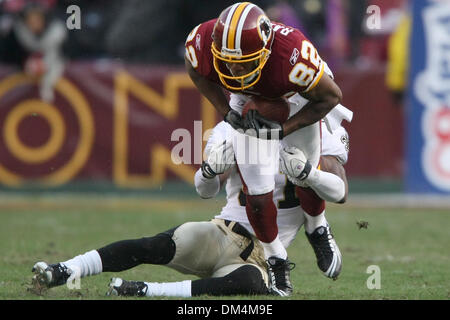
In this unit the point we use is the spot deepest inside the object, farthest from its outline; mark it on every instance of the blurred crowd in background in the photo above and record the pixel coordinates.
(153, 32)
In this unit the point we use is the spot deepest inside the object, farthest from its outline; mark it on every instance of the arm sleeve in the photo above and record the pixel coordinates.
(328, 186)
(209, 188)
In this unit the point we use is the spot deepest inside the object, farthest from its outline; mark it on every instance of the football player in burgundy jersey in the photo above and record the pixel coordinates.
(245, 53)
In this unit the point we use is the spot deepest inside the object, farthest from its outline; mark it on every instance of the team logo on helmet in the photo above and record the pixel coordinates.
(264, 28)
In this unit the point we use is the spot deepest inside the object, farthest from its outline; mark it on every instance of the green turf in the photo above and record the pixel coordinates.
(409, 245)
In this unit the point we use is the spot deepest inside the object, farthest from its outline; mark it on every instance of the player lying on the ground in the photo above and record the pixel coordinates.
(222, 252)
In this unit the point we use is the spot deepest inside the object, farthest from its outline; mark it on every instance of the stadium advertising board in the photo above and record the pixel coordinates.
(428, 120)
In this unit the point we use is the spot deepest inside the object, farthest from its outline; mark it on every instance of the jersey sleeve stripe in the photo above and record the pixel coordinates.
(318, 77)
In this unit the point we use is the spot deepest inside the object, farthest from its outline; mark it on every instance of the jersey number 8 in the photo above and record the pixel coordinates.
(301, 74)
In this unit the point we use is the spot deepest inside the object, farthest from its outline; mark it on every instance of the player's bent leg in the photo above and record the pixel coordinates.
(117, 256)
(206, 249)
(199, 246)
(244, 280)
(127, 254)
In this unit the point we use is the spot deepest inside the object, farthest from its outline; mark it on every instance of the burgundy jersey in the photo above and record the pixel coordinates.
(294, 64)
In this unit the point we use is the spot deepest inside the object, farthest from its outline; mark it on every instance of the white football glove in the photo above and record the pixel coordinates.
(294, 164)
(220, 159)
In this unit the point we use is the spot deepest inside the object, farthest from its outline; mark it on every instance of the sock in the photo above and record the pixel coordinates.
(328, 186)
(274, 248)
(169, 289)
(313, 222)
(87, 264)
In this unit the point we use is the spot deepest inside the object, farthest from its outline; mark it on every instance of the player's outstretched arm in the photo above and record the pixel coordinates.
(322, 98)
(331, 165)
(329, 183)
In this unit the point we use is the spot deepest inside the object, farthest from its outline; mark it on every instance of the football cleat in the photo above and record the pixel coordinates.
(279, 276)
(50, 275)
(120, 287)
(329, 258)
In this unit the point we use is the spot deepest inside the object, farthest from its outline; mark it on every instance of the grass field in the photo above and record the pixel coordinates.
(410, 246)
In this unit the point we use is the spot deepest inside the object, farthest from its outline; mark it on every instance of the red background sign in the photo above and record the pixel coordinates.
(115, 122)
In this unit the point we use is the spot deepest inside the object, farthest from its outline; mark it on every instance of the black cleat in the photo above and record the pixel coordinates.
(50, 275)
(120, 287)
(279, 276)
(329, 258)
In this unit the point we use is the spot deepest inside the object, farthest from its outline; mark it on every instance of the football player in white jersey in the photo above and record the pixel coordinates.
(223, 252)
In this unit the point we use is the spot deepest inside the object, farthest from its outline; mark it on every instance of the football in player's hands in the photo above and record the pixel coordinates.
(272, 109)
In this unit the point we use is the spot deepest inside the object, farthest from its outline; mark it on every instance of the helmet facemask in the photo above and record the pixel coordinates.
(242, 35)
(246, 80)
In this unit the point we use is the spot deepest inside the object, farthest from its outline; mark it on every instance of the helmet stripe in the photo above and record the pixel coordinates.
(233, 25)
(227, 24)
(241, 25)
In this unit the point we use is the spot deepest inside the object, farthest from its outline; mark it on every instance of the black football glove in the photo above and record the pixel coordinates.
(256, 125)
(234, 119)
(250, 121)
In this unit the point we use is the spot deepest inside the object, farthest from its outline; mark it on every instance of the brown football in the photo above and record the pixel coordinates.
(273, 109)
